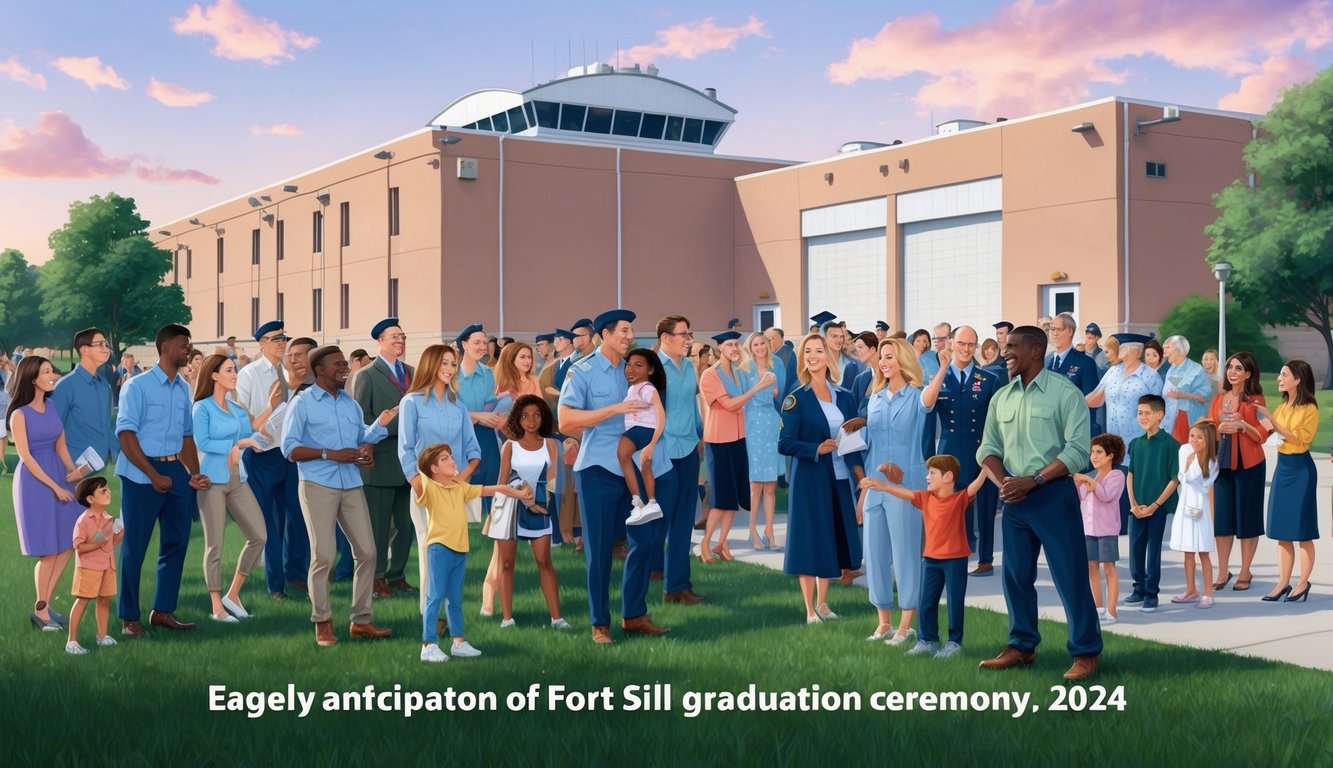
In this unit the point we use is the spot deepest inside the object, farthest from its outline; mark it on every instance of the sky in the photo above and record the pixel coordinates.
(182, 105)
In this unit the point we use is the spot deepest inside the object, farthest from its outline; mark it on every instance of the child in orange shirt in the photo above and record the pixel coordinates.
(944, 558)
(95, 537)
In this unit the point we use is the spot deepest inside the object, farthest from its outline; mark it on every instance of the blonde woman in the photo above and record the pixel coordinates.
(761, 435)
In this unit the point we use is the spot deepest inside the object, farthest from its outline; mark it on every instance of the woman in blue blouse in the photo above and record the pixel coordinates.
(431, 412)
(895, 420)
(222, 430)
(822, 540)
(761, 435)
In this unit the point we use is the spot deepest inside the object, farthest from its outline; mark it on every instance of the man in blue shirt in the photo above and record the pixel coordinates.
(680, 439)
(327, 436)
(593, 400)
(83, 399)
(930, 365)
(159, 473)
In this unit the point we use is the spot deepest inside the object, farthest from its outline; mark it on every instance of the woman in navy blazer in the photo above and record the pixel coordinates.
(822, 539)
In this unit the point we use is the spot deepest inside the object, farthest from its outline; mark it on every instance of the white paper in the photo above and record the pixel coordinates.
(850, 442)
(91, 460)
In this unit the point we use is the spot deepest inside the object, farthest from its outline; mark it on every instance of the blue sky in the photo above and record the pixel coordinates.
(343, 76)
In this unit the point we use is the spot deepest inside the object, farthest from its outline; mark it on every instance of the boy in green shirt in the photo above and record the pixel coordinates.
(1154, 462)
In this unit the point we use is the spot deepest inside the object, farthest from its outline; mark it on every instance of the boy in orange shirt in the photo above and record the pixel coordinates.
(95, 537)
(944, 559)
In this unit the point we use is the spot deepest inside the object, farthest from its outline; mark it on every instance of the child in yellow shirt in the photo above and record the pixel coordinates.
(445, 500)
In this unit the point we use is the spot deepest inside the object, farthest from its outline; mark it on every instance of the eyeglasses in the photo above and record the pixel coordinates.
(103, 343)
(397, 337)
(941, 338)
(682, 334)
(965, 344)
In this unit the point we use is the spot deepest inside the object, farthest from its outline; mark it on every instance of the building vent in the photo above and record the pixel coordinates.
(957, 126)
(859, 146)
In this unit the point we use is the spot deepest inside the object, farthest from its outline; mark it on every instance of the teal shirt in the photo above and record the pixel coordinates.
(1029, 427)
(683, 422)
(1154, 462)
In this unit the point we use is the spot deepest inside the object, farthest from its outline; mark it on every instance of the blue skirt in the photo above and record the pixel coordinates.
(1292, 512)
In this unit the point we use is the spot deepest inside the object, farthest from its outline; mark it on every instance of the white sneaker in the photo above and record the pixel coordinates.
(1102, 613)
(949, 649)
(432, 653)
(506, 623)
(1107, 619)
(899, 638)
(226, 618)
(560, 624)
(825, 613)
(465, 650)
(813, 619)
(923, 648)
(235, 609)
(645, 514)
(106, 641)
(74, 649)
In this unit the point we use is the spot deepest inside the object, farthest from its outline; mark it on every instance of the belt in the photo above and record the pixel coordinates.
(172, 457)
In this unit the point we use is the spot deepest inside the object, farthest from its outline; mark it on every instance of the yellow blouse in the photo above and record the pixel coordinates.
(1302, 421)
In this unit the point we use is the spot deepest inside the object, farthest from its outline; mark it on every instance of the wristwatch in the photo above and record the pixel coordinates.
(1039, 480)
(324, 454)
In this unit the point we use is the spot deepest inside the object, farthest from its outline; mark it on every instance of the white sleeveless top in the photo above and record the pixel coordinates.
(528, 465)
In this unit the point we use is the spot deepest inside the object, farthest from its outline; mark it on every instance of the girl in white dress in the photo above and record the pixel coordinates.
(1192, 528)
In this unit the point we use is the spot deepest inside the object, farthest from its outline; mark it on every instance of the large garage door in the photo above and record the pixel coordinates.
(846, 276)
(951, 272)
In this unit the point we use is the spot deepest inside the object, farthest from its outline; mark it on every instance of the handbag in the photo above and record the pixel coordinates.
(1193, 513)
(504, 513)
(1224, 443)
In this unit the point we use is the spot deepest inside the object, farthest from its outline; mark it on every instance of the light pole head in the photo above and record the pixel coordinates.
(1222, 271)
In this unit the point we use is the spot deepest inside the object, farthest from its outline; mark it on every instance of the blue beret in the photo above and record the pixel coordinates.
(823, 317)
(726, 336)
(1005, 324)
(561, 333)
(383, 326)
(269, 327)
(611, 317)
(1095, 329)
(582, 322)
(1132, 338)
(880, 325)
(461, 338)
(546, 337)
(733, 322)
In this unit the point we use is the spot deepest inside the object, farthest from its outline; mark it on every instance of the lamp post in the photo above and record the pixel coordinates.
(1222, 271)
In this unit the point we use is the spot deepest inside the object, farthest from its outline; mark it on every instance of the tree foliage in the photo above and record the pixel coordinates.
(1195, 318)
(104, 272)
(20, 302)
(1278, 235)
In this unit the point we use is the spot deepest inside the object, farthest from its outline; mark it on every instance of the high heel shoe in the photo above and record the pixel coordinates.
(1281, 594)
(757, 543)
(764, 539)
(1299, 597)
(723, 554)
(1223, 583)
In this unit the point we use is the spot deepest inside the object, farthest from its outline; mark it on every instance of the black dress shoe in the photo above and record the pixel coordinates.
(169, 621)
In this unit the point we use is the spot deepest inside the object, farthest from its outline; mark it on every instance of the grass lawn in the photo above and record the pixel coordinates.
(147, 701)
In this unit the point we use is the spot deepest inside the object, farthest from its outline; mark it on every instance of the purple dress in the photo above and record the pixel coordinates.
(46, 525)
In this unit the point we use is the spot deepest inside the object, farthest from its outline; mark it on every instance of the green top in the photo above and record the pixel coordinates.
(1154, 462)
(1028, 427)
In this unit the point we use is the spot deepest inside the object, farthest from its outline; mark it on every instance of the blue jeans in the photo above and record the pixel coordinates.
(142, 509)
(446, 583)
(273, 480)
(935, 575)
(1145, 552)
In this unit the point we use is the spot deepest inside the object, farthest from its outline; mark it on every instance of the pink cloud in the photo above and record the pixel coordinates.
(239, 36)
(1030, 57)
(90, 71)
(173, 175)
(692, 39)
(11, 69)
(280, 129)
(55, 149)
(1258, 91)
(174, 95)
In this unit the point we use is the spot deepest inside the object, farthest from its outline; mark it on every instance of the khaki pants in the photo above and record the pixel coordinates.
(323, 508)
(214, 503)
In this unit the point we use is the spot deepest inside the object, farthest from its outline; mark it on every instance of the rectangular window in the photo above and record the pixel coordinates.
(674, 126)
(393, 211)
(571, 117)
(547, 113)
(694, 128)
(516, 123)
(221, 323)
(531, 113)
(1156, 170)
(712, 130)
(282, 240)
(345, 311)
(393, 297)
(599, 120)
(500, 122)
(626, 123)
(189, 263)
(317, 305)
(254, 246)
(652, 126)
(317, 237)
(282, 306)
(254, 312)
(345, 231)
(176, 267)
(220, 251)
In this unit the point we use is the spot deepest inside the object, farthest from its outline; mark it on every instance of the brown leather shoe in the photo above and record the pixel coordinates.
(654, 575)
(299, 585)
(324, 634)
(1009, 657)
(849, 575)
(369, 631)
(642, 625)
(381, 589)
(983, 569)
(132, 629)
(401, 585)
(169, 621)
(685, 596)
(1084, 667)
(601, 635)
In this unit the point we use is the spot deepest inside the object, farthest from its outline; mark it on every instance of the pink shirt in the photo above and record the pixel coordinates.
(1101, 506)
(85, 530)
(720, 425)
(641, 392)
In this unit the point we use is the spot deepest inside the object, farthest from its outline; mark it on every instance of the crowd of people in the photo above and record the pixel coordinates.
(898, 451)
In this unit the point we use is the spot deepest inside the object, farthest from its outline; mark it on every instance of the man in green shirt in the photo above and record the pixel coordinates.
(1036, 436)
(1154, 462)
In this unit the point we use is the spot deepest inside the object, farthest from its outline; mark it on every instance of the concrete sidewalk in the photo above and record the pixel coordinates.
(1297, 633)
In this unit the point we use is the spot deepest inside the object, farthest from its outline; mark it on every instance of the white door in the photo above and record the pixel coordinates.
(1059, 298)
(767, 316)
(951, 272)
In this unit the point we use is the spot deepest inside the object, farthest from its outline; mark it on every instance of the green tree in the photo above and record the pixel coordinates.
(1278, 234)
(20, 302)
(1195, 318)
(104, 272)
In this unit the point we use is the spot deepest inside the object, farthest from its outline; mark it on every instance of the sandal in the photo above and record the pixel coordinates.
(1223, 583)
(1186, 598)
